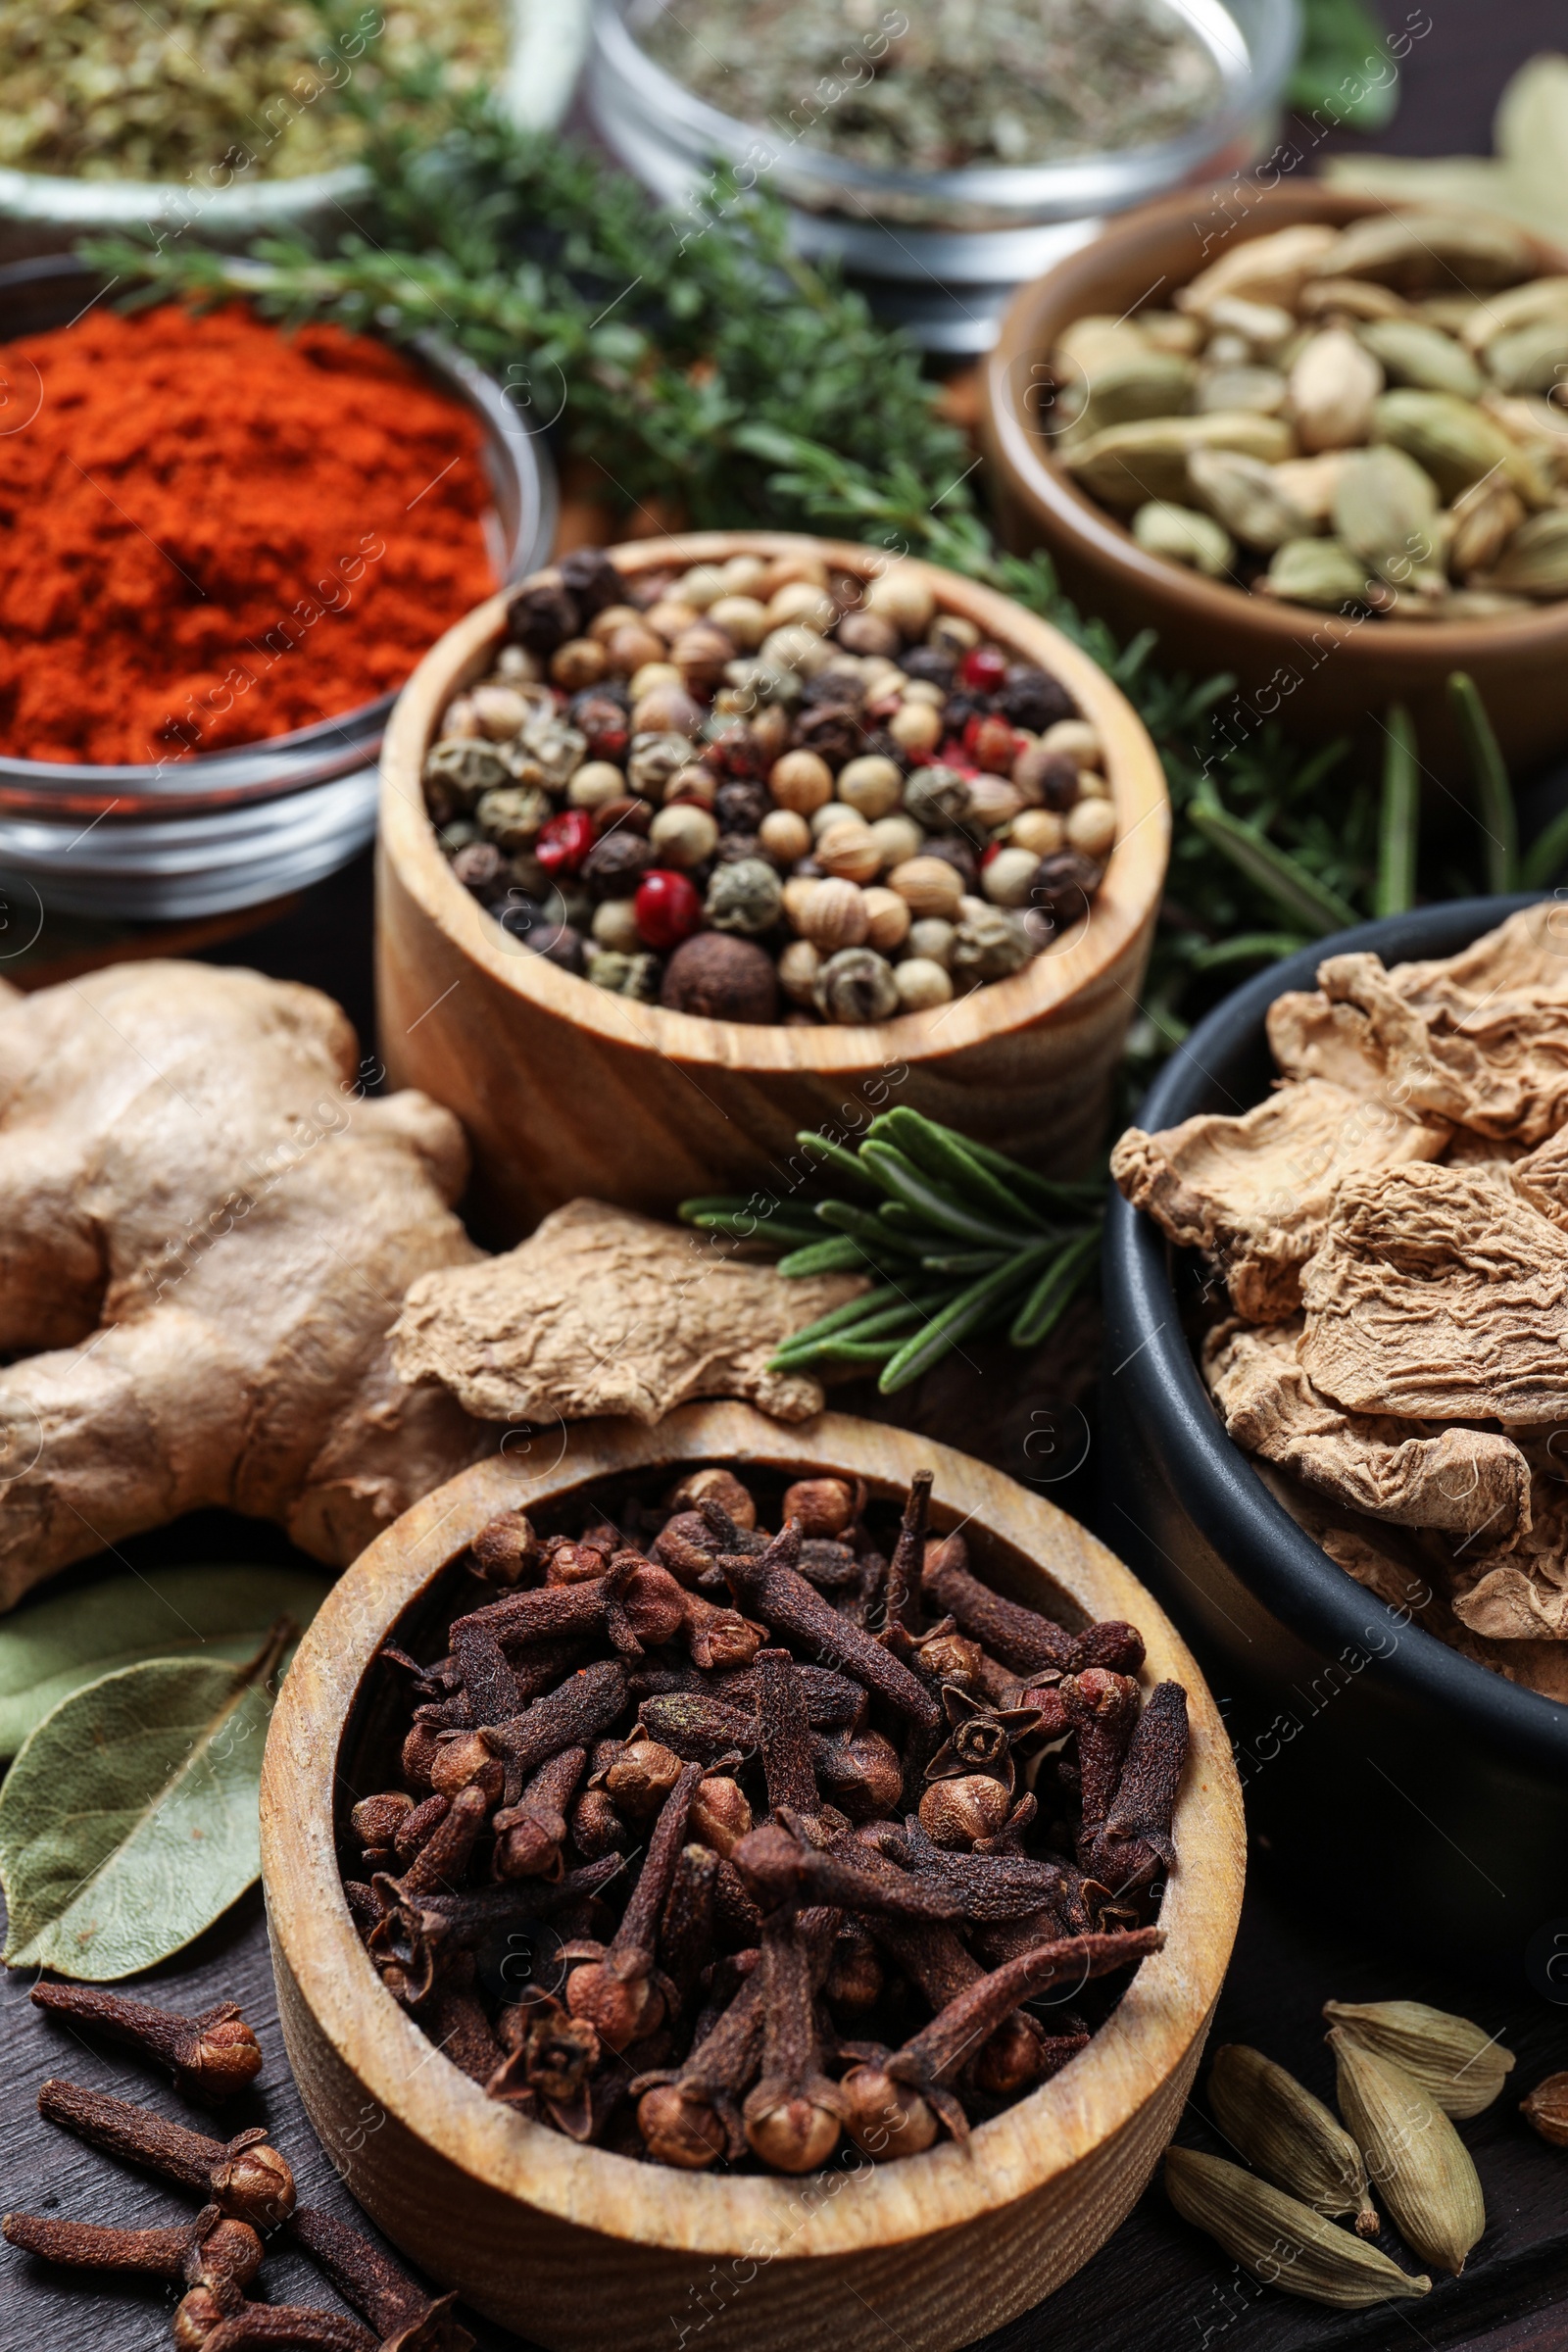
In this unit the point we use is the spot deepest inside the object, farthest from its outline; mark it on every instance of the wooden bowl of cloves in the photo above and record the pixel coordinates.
(443, 2090)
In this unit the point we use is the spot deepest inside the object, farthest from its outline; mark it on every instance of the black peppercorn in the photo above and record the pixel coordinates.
(733, 847)
(543, 616)
(1048, 779)
(731, 749)
(602, 716)
(930, 662)
(521, 914)
(616, 865)
(956, 852)
(1064, 882)
(836, 686)
(830, 729)
(1032, 697)
(740, 808)
(481, 869)
(592, 580)
(559, 944)
(879, 740)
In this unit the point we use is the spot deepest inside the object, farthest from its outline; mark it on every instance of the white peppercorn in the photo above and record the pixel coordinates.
(931, 938)
(921, 983)
(745, 575)
(902, 596)
(848, 850)
(596, 784)
(831, 914)
(917, 724)
(1076, 740)
(1007, 877)
(650, 675)
(855, 986)
(785, 836)
(929, 884)
(888, 918)
(898, 839)
(950, 633)
(872, 786)
(697, 784)
(501, 712)
(801, 781)
(798, 968)
(581, 661)
(1038, 830)
(794, 648)
(742, 618)
(683, 834)
(1092, 828)
(700, 587)
(833, 812)
(666, 708)
(746, 896)
(993, 801)
(615, 926)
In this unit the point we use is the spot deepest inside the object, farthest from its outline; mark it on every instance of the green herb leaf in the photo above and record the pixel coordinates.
(957, 1320)
(50, 1647)
(1056, 1290)
(128, 1821)
(1280, 877)
(1401, 810)
(1500, 826)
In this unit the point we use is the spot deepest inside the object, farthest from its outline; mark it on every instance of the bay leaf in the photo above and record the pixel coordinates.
(129, 1820)
(50, 1647)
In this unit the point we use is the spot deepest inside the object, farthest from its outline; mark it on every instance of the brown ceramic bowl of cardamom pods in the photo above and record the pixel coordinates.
(1320, 673)
(574, 2247)
(564, 1088)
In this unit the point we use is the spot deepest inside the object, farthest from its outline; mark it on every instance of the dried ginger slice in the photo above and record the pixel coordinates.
(1254, 1192)
(1459, 1479)
(1479, 1039)
(600, 1311)
(1520, 1593)
(1439, 1295)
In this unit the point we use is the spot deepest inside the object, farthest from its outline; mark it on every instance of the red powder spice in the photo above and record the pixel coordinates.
(215, 532)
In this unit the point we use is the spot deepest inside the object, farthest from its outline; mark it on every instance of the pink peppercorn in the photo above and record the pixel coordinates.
(668, 907)
(983, 669)
(564, 841)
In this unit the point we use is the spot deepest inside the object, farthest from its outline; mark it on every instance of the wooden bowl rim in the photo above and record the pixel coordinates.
(1083, 2109)
(1121, 908)
(1068, 514)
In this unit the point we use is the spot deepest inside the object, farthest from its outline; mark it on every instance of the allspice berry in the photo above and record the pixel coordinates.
(801, 781)
(721, 978)
(856, 986)
(785, 836)
(954, 1813)
(578, 663)
(631, 645)
(848, 851)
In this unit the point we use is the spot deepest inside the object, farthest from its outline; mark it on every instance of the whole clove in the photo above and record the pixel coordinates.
(776, 1810)
(403, 2315)
(213, 2056)
(246, 2178)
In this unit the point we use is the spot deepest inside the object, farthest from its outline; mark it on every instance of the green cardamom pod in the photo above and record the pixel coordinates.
(1243, 494)
(1385, 509)
(1533, 357)
(1535, 561)
(1461, 2069)
(1316, 571)
(1134, 385)
(1184, 536)
(1128, 464)
(1279, 2239)
(1420, 2165)
(1290, 2137)
(1455, 441)
(1410, 351)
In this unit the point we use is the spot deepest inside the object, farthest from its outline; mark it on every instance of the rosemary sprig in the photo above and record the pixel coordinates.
(946, 1208)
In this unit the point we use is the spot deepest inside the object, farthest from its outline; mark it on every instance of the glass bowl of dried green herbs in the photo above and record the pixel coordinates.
(941, 157)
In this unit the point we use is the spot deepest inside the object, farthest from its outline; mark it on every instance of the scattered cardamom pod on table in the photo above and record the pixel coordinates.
(1290, 2137)
(1461, 2069)
(1279, 2239)
(1420, 2165)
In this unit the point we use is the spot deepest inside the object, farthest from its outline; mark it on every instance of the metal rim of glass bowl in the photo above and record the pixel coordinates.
(1021, 195)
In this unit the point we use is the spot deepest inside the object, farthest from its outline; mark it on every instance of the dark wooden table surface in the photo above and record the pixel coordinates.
(1156, 2286)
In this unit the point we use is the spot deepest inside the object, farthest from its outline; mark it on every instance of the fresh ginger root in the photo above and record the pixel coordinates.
(208, 1231)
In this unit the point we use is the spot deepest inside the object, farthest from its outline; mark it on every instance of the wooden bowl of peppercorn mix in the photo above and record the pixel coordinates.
(576, 2244)
(762, 1027)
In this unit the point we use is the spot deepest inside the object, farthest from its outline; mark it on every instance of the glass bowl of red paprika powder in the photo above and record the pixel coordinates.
(228, 546)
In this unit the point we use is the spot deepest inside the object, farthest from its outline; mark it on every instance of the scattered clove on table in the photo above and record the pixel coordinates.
(798, 1860)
